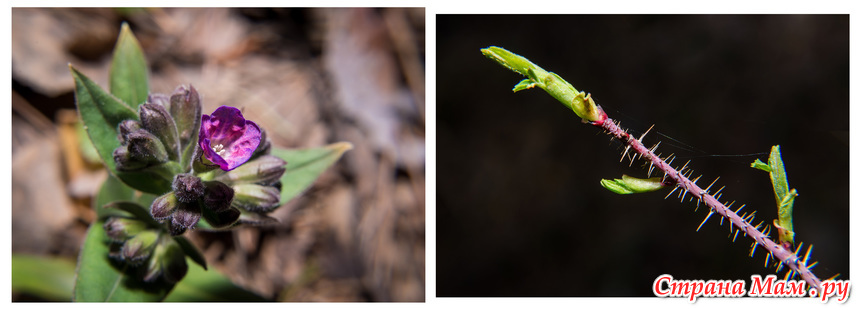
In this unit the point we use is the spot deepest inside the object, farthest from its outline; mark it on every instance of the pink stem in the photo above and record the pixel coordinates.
(787, 257)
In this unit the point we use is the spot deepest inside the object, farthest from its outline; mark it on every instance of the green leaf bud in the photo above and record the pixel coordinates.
(168, 261)
(266, 169)
(581, 103)
(783, 194)
(510, 60)
(256, 198)
(162, 207)
(631, 185)
(121, 229)
(137, 249)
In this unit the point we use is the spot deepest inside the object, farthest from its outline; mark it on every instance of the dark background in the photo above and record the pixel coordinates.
(520, 211)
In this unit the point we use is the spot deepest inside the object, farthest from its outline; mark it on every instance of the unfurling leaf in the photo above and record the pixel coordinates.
(784, 196)
(552, 83)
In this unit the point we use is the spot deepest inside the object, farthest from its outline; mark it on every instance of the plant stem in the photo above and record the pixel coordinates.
(687, 186)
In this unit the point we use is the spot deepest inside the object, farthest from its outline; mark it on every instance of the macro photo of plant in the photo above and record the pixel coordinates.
(535, 199)
(218, 154)
(554, 151)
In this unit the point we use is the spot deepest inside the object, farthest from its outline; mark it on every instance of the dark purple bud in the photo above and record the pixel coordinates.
(126, 127)
(227, 139)
(185, 217)
(124, 161)
(266, 169)
(222, 219)
(155, 119)
(145, 147)
(162, 207)
(137, 249)
(217, 196)
(121, 229)
(187, 187)
(186, 110)
(256, 198)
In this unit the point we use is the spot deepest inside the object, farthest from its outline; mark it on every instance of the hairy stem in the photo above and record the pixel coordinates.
(683, 183)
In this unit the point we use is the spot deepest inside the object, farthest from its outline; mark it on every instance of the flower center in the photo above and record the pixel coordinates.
(219, 149)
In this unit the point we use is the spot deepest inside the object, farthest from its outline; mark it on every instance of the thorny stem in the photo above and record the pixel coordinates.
(687, 186)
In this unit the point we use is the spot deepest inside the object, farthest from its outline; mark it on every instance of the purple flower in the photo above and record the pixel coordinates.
(227, 139)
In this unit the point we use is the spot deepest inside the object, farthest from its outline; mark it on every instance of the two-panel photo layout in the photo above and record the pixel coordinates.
(306, 155)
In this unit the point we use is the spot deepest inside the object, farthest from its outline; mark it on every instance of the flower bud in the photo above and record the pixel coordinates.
(265, 147)
(145, 147)
(126, 127)
(121, 229)
(168, 261)
(185, 217)
(160, 99)
(124, 161)
(222, 219)
(138, 248)
(163, 207)
(187, 187)
(186, 110)
(256, 198)
(266, 170)
(217, 196)
(156, 119)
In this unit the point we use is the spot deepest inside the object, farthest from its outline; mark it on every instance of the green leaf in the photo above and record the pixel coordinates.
(524, 84)
(305, 166)
(49, 278)
(101, 278)
(135, 210)
(191, 251)
(111, 190)
(760, 166)
(631, 185)
(101, 113)
(128, 70)
(88, 151)
(96, 105)
(202, 285)
(511, 61)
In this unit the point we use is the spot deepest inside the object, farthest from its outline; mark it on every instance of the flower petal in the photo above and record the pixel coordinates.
(227, 139)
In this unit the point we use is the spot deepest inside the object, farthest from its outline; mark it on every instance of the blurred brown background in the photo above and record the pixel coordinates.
(309, 76)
